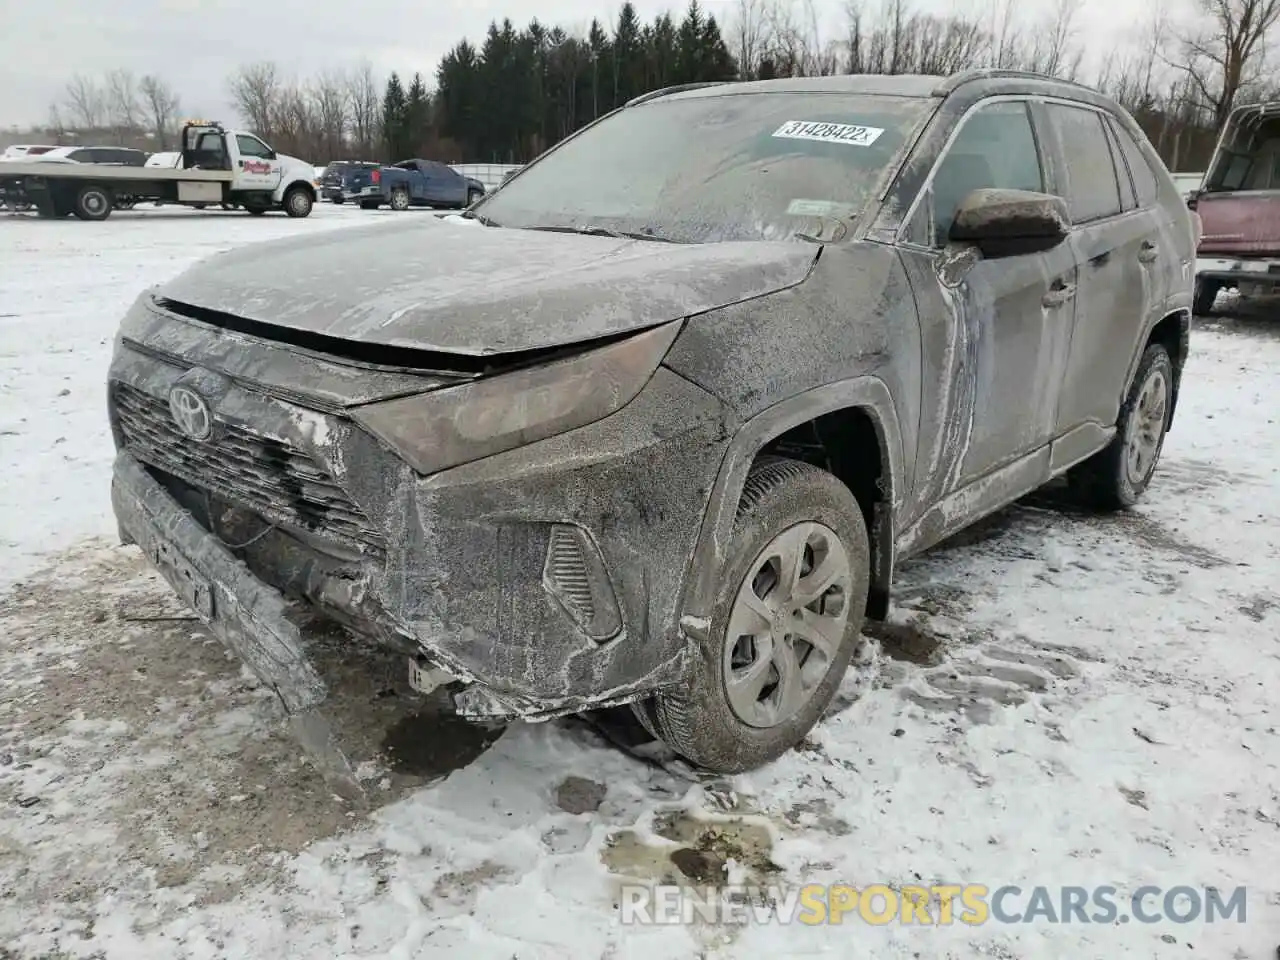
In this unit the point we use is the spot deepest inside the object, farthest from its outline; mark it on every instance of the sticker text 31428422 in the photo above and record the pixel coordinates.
(850, 134)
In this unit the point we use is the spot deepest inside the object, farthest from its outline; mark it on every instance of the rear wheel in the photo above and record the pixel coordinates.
(1115, 477)
(786, 622)
(1206, 292)
(93, 203)
(399, 199)
(298, 202)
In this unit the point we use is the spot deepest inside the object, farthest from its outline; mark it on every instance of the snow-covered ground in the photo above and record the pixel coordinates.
(1060, 700)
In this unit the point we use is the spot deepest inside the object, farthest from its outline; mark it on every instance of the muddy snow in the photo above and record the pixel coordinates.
(1059, 700)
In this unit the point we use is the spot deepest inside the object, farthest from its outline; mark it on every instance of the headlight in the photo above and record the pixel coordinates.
(444, 428)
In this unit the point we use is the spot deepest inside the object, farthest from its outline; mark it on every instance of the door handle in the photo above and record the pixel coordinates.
(1149, 252)
(1101, 260)
(240, 163)
(1060, 293)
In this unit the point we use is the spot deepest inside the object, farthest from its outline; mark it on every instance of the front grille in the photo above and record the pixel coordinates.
(273, 479)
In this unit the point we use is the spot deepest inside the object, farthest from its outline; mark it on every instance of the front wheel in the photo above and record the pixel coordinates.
(473, 196)
(786, 622)
(92, 203)
(298, 202)
(1115, 477)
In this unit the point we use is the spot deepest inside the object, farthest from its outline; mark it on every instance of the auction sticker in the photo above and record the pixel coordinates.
(849, 134)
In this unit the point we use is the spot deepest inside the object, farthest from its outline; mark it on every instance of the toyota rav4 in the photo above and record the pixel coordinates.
(653, 423)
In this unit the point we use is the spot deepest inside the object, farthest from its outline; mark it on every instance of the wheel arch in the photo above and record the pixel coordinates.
(293, 184)
(865, 396)
(1173, 332)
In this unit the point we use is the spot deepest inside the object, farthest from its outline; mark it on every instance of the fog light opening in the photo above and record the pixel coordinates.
(575, 576)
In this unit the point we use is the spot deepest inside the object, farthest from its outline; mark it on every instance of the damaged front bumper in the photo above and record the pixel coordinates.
(248, 616)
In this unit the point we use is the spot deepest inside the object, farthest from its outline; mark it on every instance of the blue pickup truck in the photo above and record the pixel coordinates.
(413, 183)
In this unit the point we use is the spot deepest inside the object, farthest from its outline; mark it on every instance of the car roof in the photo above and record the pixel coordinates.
(921, 86)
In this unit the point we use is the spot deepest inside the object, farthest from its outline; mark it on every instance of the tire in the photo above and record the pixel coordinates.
(339, 201)
(1116, 477)
(783, 502)
(369, 204)
(298, 202)
(198, 206)
(255, 211)
(1206, 292)
(92, 203)
(473, 196)
(399, 200)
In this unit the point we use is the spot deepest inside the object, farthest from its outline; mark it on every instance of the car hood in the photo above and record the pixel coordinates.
(467, 289)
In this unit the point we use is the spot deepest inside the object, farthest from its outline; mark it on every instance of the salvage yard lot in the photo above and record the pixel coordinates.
(1059, 700)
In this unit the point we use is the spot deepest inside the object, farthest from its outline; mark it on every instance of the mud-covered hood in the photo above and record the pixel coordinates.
(464, 288)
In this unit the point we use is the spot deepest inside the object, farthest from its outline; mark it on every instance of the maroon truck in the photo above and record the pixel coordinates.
(1239, 208)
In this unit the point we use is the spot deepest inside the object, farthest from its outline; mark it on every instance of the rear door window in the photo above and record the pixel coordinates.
(1093, 189)
(996, 148)
(1144, 178)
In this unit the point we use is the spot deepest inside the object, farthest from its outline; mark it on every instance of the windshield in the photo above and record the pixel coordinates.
(760, 166)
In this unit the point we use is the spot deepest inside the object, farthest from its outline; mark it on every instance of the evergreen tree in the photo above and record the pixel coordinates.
(395, 126)
(417, 115)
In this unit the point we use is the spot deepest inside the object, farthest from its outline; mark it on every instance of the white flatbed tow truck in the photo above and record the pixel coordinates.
(217, 166)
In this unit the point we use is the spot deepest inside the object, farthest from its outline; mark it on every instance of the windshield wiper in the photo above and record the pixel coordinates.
(605, 232)
(479, 218)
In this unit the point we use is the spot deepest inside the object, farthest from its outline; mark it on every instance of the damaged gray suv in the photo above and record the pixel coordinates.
(654, 422)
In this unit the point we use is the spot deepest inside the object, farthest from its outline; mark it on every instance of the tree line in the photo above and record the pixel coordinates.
(522, 89)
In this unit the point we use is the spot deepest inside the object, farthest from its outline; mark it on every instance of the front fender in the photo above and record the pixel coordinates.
(866, 392)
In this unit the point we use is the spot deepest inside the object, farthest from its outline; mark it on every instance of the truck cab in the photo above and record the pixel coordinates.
(261, 178)
(1238, 204)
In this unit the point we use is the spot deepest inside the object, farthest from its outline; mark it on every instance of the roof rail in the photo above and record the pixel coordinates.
(949, 84)
(678, 88)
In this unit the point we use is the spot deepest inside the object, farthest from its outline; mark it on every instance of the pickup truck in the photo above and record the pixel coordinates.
(410, 183)
(217, 166)
(1239, 208)
(338, 178)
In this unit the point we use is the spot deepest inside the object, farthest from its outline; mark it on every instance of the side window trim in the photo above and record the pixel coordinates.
(1124, 173)
(919, 203)
(1114, 134)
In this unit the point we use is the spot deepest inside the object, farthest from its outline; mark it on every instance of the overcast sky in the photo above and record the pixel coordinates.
(196, 44)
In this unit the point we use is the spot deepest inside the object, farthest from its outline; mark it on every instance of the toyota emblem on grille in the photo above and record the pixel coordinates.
(191, 413)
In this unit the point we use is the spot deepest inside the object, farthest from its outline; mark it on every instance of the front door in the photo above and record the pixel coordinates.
(995, 332)
(256, 166)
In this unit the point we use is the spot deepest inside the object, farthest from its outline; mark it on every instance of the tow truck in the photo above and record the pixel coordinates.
(217, 165)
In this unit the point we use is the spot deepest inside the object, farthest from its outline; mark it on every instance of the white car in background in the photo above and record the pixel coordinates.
(25, 151)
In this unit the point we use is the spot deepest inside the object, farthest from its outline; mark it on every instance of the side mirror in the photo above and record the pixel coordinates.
(1006, 223)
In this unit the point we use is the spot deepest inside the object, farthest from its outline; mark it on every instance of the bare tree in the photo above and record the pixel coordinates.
(123, 108)
(85, 103)
(255, 91)
(1224, 55)
(1055, 51)
(364, 100)
(328, 94)
(161, 106)
(748, 35)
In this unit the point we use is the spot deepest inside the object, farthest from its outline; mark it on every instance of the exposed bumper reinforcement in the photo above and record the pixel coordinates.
(243, 612)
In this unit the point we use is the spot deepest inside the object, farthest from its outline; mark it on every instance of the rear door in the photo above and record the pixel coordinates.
(994, 331)
(1115, 240)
